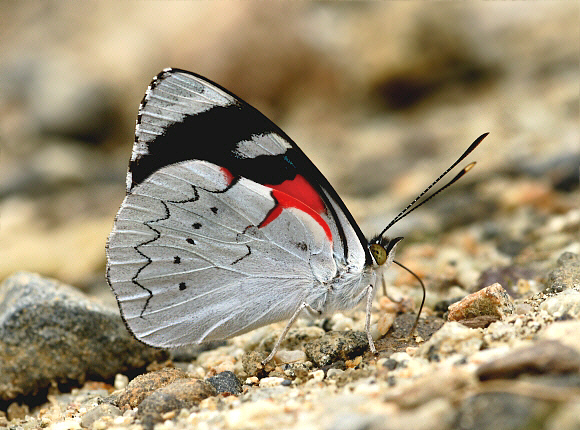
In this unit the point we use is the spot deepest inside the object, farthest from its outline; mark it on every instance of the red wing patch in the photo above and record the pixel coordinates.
(297, 193)
(227, 175)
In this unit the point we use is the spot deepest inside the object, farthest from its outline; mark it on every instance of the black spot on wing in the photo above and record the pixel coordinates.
(196, 225)
(182, 286)
(190, 241)
(214, 209)
(176, 260)
(302, 246)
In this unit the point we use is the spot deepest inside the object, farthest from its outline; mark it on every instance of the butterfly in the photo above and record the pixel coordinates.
(227, 226)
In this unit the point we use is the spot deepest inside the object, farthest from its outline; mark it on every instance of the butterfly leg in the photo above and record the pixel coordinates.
(290, 322)
(368, 318)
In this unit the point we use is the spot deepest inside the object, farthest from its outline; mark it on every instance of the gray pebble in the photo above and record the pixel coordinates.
(98, 412)
(226, 382)
(546, 356)
(50, 332)
(567, 275)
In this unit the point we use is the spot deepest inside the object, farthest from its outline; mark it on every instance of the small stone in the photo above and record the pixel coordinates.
(121, 381)
(546, 356)
(565, 303)
(385, 323)
(340, 322)
(567, 275)
(333, 373)
(252, 380)
(334, 346)
(143, 385)
(566, 332)
(390, 364)
(98, 412)
(252, 363)
(16, 411)
(182, 393)
(51, 332)
(226, 382)
(66, 425)
(523, 308)
(285, 356)
(452, 338)
(318, 375)
(483, 307)
(273, 381)
(297, 370)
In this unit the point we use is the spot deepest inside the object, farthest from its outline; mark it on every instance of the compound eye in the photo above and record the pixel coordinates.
(379, 253)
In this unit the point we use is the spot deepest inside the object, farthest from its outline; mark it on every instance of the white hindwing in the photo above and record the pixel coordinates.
(189, 263)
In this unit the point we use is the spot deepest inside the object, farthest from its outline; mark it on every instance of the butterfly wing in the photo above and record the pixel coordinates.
(226, 226)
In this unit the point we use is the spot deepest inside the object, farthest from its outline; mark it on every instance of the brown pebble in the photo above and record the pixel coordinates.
(144, 385)
(546, 356)
(482, 307)
(17, 411)
(180, 394)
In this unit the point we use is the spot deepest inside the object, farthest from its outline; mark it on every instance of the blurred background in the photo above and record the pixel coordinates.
(381, 96)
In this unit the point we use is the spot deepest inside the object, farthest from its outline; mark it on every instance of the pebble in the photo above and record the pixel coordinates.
(565, 303)
(182, 393)
(483, 307)
(334, 346)
(318, 375)
(98, 412)
(567, 275)
(44, 323)
(121, 381)
(385, 323)
(331, 373)
(17, 411)
(546, 356)
(273, 381)
(452, 338)
(566, 332)
(284, 356)
(226, 382)
(143, 385)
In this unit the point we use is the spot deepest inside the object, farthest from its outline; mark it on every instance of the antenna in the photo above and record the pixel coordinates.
(411, 206)
(422, 301)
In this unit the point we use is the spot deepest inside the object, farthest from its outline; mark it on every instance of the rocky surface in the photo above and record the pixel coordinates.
(51, 333)
(382, 97)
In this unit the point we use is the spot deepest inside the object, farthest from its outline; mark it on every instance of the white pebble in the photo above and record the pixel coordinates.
(318, 375)
(294, 356)
(121, 381)
(334, 372)
(273, 381)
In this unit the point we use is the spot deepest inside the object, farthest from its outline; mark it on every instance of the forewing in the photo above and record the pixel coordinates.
(184, 116)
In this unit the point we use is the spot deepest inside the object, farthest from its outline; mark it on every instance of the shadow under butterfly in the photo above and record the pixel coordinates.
(227, 226)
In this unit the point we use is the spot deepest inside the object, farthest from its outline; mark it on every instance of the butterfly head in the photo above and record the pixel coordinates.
(383, 250)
